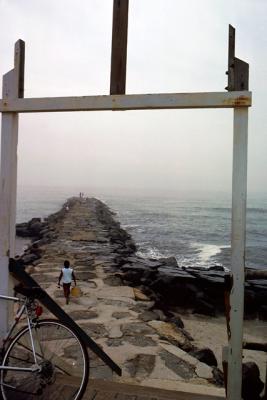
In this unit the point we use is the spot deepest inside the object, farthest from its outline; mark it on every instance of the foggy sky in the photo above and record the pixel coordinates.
(173, 46)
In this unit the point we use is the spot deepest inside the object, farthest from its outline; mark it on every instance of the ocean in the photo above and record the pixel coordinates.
(194, 228)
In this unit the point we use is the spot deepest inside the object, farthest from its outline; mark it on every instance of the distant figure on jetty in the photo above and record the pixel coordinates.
(66, 275)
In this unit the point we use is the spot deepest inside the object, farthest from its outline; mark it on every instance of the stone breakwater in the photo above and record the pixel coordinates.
(200, 291)
(128, 304)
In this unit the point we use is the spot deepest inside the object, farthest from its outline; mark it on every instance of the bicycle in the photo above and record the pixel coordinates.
(46, 359)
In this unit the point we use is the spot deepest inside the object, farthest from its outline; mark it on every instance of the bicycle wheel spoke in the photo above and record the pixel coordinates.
(62, 364)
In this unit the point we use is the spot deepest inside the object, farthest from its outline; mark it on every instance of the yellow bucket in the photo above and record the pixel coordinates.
(76, 292)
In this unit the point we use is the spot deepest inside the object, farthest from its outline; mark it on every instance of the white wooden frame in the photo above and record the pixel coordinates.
(128, 102)
(11, 105)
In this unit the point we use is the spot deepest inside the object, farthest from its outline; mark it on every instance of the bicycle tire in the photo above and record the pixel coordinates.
(63, 358)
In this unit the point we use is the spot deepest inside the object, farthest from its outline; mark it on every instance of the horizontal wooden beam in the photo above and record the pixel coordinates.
(128, 102)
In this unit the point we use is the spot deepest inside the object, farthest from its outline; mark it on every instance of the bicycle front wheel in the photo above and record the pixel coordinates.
(59, 363)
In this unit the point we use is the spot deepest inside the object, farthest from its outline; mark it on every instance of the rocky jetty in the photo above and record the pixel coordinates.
(129, 304)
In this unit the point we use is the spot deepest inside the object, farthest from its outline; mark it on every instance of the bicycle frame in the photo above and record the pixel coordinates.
(23, 309)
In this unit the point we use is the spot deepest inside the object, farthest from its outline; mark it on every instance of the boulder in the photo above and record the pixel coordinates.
(216, 268)
(171, 261)
(35, 228)
(206, 356)
(205, 308)
(160, 314)
(177, 321)
(251, 382)
(133, 276)
(140, 296)
(172, 334)
(148, 316)
(29, 258)
(263, 313)
(218, 377)
(22, 230)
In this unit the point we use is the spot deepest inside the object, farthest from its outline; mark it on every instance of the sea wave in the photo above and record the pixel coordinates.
(150, 253)
(206, 251)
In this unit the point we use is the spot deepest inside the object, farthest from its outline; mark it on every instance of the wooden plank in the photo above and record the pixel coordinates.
(145, 392)
(255, 274)
(19, 65)
(129, 102)
(241, 74)
(238, 70)
(91, 393)
(119, 47)
(125, 396)
(12, 87)
(105, 396)
(231, 57)
(239, 197)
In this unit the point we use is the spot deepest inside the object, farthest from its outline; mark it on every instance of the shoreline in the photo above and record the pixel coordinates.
(148, 340)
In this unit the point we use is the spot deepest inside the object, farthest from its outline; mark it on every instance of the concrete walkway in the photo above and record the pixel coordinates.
(118, 317)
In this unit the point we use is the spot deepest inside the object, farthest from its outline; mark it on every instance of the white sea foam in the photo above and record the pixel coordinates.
(206, 251)
(150, 253)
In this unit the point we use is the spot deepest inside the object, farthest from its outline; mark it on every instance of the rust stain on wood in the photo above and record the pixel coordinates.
(241, 101)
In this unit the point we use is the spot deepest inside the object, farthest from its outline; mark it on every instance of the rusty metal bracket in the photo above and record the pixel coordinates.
(228, 284)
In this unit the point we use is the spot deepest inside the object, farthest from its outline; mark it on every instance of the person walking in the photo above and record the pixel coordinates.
(67, 275)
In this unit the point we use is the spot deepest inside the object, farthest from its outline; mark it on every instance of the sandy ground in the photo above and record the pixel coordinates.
(211, 333)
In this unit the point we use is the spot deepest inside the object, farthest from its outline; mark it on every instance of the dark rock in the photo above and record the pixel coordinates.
(22, 230)
(187, 334)
(146, 290)
(263, 313)
(177, 321)
(121, 314)
(169, 261)
(251, 382)
(114, 342)
(216, 268)
(94, 330)
(136, 328)
(206, 356)
(35, 228)
(142, 365)
(133, 276)
(148, 316)
(42, 242)
(160, 314)
(218, 377)
(44, 231)
(29, 258)
(205, 308)
(177, 365)
(140, 340)
(149, 264)
(83, 314)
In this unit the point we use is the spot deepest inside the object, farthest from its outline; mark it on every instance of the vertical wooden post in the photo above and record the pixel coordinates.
(119, 47)
(13, 84)
(239, 198)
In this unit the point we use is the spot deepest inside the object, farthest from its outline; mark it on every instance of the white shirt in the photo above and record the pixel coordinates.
(67, 275)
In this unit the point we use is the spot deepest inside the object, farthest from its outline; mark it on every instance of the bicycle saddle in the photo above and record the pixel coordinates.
(33, 292)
